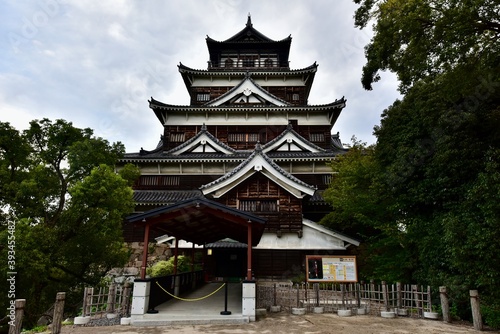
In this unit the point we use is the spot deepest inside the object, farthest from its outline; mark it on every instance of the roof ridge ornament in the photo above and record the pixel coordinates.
(249, 20)
(203, 127)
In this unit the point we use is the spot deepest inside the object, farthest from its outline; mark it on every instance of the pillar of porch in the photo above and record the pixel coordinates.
(140, 294)
(144, 263)
(140, 297)
(249, 251)
(249, 288)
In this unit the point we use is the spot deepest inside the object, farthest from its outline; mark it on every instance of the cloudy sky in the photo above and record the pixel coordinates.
(96, 63)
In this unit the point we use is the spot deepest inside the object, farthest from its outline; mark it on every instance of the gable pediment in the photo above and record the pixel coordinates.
(203, 142)
(247, 92)
(290, 141)
(258, 162)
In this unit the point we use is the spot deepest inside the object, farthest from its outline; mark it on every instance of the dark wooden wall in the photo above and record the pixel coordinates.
(264, 134)
(287, 218)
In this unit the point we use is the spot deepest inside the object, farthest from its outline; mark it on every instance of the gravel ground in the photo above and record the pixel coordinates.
(277, 323)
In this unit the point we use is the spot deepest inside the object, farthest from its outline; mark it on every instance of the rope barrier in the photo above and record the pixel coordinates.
(191, 299)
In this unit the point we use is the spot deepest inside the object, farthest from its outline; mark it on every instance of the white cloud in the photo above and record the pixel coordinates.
(96, 63)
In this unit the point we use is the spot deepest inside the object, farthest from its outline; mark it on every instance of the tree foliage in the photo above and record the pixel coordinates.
(60, 191)
(422, 38)
(436, 163)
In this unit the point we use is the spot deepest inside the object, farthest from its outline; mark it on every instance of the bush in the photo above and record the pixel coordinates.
(164, 268)
(491, 315)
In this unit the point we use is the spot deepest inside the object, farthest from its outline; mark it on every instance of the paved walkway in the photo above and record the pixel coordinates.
(204, 311)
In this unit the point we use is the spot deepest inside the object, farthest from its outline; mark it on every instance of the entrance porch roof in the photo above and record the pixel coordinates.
(201, 221)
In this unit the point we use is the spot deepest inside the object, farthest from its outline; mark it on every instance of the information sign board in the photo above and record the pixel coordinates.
(331, 268)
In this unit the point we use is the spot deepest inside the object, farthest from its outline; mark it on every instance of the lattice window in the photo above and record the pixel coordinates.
(258, 205)
(148, 180)
(248, 62)
(170, 180)
(243, 137)
(317, 137)
(295, 97)
(268, 62)
(228, 63)
(177, 137)
(203, 97)
(327, 179)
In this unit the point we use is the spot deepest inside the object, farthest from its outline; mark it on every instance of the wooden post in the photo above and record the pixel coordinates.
(357, 291)
(399, 296)
(385, 295)
(476, 311)
(110, 307)
(342, 291)
(88, 301)
(125, 307)
(58, 313)
(249, 251)
(16, 324)
(445, 304)
(418, 302)
(372, 289)
(144, 263)
(176, 255)
(316, 289)
(429, 299)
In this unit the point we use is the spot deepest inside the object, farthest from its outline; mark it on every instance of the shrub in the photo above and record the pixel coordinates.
(164, 268)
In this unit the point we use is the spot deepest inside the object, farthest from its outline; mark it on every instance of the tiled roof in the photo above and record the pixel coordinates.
(317, 198)
(154, 104)
(255, 71)
(337, 143)
(226, 243)
(164, 197)
(249, 31)
(258, 151)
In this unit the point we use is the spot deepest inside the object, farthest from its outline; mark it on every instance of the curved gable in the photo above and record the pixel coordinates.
(247, 92)
(290, 141)
(258, 162)
(203, 142)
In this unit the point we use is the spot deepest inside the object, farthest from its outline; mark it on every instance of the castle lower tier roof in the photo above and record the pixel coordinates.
(238, 156)
(155, 104)
(255, 71)
(164, 197)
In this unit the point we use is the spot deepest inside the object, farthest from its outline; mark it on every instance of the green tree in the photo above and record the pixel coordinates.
(437, 148)
(67, 203)
(361, 209)
(420, 38)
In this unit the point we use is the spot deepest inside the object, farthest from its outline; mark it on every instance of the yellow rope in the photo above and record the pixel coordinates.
(190, 299)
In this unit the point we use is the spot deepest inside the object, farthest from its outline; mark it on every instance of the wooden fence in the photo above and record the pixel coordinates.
(371, 297)
(112, 299)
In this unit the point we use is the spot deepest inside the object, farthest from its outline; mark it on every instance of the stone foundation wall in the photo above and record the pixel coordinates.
(156, 252)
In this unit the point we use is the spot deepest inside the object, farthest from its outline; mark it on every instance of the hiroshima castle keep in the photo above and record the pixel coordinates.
(239, 173)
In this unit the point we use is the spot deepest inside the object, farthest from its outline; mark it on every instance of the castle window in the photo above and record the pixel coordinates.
(203, 97)
(170, 180)
(248, 63)
(327, 179)
(177, 137)
(148, 180)
(317, 137)
(295, 97)
(243, 137)
(228, 63)
(268, 62)
(258, 205)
